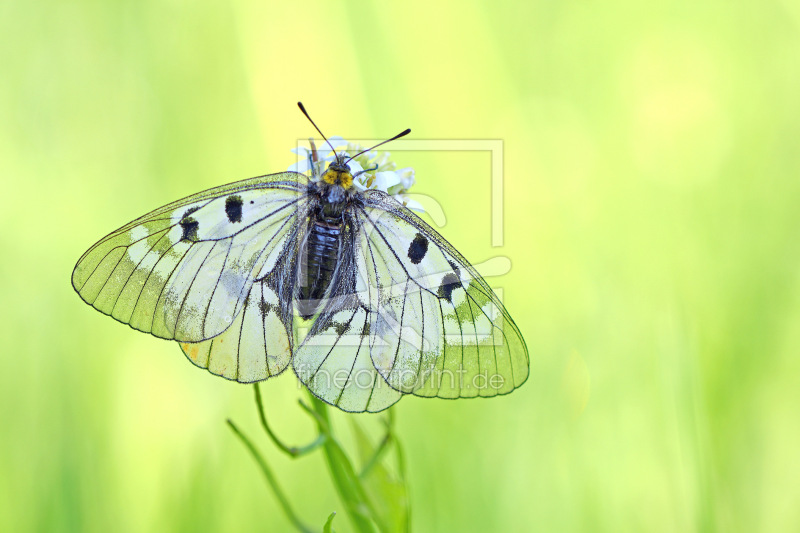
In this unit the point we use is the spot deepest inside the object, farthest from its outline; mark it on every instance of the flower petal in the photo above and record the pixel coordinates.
(409, 203)
(406, 177)
(386, 180)
(354, 166)
(301, 166)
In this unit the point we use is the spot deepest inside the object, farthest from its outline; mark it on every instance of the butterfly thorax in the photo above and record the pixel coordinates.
(334, 188)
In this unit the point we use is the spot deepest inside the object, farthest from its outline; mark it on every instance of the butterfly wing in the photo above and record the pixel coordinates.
(255, 347)
(184, 271)
(333, 360)
(437, 328)
(260, 342)
(334, 363)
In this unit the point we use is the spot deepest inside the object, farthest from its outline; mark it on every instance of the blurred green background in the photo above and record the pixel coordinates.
(651, 210)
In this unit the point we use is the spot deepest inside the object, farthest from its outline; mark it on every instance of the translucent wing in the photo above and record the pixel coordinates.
(334, 363)
(184, 271)
(436, 327)
(257, 346)
(333, 360)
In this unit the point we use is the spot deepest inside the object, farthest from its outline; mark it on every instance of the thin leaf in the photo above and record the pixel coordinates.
(387, 493)
(328, 528)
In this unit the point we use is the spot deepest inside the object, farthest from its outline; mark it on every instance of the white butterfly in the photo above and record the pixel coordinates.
(363, 298)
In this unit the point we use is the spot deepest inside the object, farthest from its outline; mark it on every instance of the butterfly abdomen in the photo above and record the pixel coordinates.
(321, 256)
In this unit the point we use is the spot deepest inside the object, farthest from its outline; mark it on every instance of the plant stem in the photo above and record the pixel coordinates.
(345, 479)
(380, 450)
(293, 451)
(270, 479)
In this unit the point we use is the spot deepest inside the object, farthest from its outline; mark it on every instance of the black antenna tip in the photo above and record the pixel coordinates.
(303, 109)
(401, 134)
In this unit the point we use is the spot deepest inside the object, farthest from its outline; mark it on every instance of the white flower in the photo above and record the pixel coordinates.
(324, 155)
(372, 170)
(386, 180)
(406, 177)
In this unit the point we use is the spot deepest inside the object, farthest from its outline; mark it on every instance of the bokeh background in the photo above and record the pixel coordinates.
(651, 210)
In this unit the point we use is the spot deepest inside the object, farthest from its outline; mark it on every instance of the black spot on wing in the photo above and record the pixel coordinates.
(190, 211)
(340, 328)
(233, 208)
(455, 268)
(449, 283)
(418, 248)
(264, 307)
(189, 226)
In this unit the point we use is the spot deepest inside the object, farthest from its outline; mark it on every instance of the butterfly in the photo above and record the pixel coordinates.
(357, 293)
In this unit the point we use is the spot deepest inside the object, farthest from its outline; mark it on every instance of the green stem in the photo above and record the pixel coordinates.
(344, 476)
(401, 475)
(284, 502)
(293, 451)
(381, 449)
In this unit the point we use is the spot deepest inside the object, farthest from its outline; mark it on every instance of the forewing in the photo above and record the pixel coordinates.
(183, 271)
(255, 347)
(437, 328)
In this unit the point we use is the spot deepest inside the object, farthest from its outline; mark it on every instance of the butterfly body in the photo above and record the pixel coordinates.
(389, 306)
(321, 255)
(332, 196)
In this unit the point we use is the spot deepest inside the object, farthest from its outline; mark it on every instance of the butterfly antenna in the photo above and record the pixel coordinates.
(401, 134)
(303, 109)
